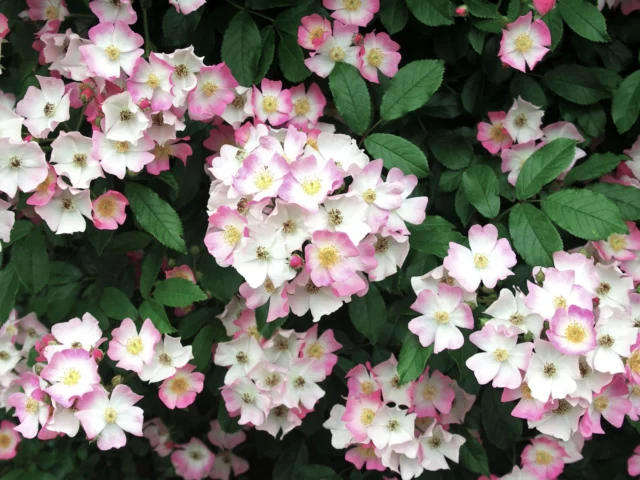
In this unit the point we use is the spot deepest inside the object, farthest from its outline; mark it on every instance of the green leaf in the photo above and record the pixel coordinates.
(178, 292)
(315, 472)
(156, 312)
(20, 230)
(584, 214)
(411, 88)
(476, 40)
(626, 102)
(8, 292)
(413, 358)
(502, 429)
(116, 305)
(481, 189)
(201, 347)
(267, 329)
(241, 48)
(553, 19)
(151, 265)
(31, 262)
(397, 152)
(433, 13)
(449, 149)
(351, 96)
(292, 59)
(128, 242)
(99, 238)
(293, 457)
(626, 198)
(593, 120)
(526, 87)
(222, 283)
(544, 166)
(596, 165)
(368, 313)
(268, 36)
(433, 236)
(156, 216)
(196, 320)
(585, 19)
(533, 235)
(393, 15)
(472, 454)
(576, 83)
(177, 26)
(482, 9)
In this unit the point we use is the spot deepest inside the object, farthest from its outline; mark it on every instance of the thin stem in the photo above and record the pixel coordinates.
(505, 212)
(339, 474)
(80, 118)
(252, 12)
(371, 129)
(147, 41)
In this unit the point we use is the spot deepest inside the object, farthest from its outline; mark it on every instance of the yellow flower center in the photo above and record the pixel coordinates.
(301, 107)
(32, 405)
(429, 392)
(80, 160)
(110, 415)
(369, 196)
(500, 354)
(634, 361)
(441, 317)
(262, 253)
(381, 245)
(181, 70)
(497, 133)
(543, 457)
(375, 57)
(480, 260)
(617, 242)
(51, 13)
(71, 377)
(313, 143)
(263, 179)
(393, 425)
(179, 386)
(316, 33)
(367, 387)
(559, 302)
(122, 147)
(601, 403)
(329, 256)
(525, 391)
(49, 110)
(575, 333)
(366, 416)
(315, 350)
(231, 235)
(106, 207)
(606, 341)
(134, 346)
(337, 54)
(521, 120)
(523, 43)
(270, 104)
(153, 81)
(351, 5)
(549, 369)
(209, 89)
(516, 319)
(113, 52)
(5, 441)
(434, 442)
(311, 186)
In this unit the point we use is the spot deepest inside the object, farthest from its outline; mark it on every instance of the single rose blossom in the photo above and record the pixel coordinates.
(109, 210)
(524, 42)
(493, 136)
(132, 350)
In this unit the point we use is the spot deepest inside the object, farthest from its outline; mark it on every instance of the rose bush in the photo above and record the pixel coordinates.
(319, 239)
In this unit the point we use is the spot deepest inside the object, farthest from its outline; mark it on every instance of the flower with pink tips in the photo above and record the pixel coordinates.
(72, 373)
(523, 121)
(77, 333)
(633, 464)
(510, 314)
(108, 11)
(271, 103)
(302, 385)
(107, 417)
(313, 31)
(186, 7)
(71, 154)
(611, 403)
(261, 257)
(524, 42)
(392, 426)
(47, 10)
(23, 166)
(158, 435)
(307, 107)
(180, 390)
(31, 409)
(551, 374)
(412, 210)
(123, 121)
(527, 407)
(226, 228)
(544, 457)
(559, 291)
(309, 182)
(443, 313)
(152, 81)
(193, 460)
(433, 394)
(336, 47)
(320, 349)
(9, 440)
(514, 158)
(115, 47)
(328, 257)
(353, 12)
(214, 91)
(109, 210)
(493, 136)
(359, 415)
(261, 174)
(502, 360)
(572, 331)
(66, 211)
(133, 349)
(228, 463)
(116, 157)
(44, 108)
(437, 444)
(614, 340)
(378, 52)
(242, 397)
(305, 296)
(488, 260)
(169, 356)
(620, 246)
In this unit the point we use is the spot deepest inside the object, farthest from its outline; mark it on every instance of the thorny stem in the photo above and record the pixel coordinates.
(252, 12)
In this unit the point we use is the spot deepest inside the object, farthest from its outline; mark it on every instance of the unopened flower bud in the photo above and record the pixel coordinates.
(199, 276)
(38, 368)
(144, 104)
(462, 11)
(357, 38)
(296, 262)
(540, 277)
(171, 262)
(195, 250)
(86, 95)
(117, 380)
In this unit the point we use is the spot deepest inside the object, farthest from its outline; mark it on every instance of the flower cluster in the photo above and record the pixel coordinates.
(272, 384)
(194, 460)
(517, 134)
(304, 216)
(342, 43)
(404, 427)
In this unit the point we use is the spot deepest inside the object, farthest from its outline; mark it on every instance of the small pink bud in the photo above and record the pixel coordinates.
(86, 94)
(296, 262)
(144, 104)
(357, 38)
(462, 11)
